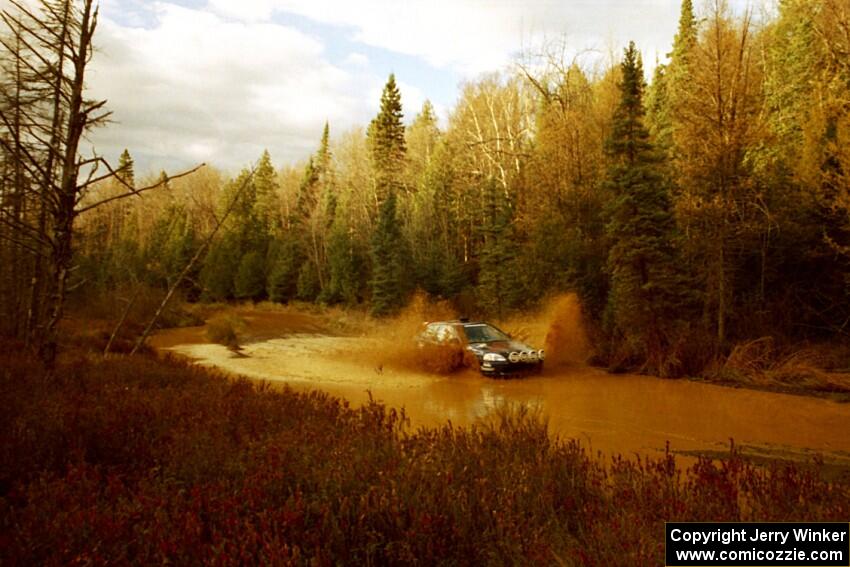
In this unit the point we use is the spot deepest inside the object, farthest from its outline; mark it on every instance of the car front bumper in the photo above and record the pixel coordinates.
(507, 368)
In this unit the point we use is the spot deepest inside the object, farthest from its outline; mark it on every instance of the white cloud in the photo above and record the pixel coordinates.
(196, 86)
(225, 80)
(474, 36)
(246, 10)
(357, 60)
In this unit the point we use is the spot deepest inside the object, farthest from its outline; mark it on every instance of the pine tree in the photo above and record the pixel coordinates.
(266, 201)
(323, 156)
(287, 261)
(646, 292)
(390, 273)
(658, 111)
(345, 262)
(673, 91)
(389, 281)
(307, 193)
(684, 43)
(386, 137)
(499, 283)
(220, 265)
(126, 170)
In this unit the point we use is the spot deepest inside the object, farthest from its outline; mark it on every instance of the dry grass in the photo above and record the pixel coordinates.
(760, 363)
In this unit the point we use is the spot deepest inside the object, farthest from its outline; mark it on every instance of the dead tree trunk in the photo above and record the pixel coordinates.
(77, 123)
(54, 47)
(36, 309)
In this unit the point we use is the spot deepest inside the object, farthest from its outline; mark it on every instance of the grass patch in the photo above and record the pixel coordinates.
(145, 461)
(803, 369)
(225, 330)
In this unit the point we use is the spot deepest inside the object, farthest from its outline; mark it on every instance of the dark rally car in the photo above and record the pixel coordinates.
(496, 352)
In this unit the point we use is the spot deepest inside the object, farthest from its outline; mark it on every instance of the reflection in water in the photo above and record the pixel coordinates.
(612, 413)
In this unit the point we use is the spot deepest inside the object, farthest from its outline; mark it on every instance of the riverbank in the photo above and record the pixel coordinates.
(140, 460)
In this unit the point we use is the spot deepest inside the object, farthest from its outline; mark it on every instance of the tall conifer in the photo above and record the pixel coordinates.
(646, 290)
(387, 143)
(389, 261)
(677, 79)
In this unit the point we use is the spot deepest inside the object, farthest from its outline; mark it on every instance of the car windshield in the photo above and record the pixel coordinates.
(482, 333)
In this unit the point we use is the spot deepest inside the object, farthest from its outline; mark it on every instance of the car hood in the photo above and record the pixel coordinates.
(500, 347)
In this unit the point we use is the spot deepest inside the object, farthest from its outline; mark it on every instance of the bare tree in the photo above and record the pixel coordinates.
(43, 122)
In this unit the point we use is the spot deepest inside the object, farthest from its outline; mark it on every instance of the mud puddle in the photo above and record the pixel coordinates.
(627, 414)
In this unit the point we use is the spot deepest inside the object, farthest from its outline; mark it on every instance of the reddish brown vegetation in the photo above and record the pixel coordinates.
(134, 460)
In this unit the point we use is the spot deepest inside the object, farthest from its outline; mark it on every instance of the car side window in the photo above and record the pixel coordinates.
(441, 334)
(430, 332)
(446, 334)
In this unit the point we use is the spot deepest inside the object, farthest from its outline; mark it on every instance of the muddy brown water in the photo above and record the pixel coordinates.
(626, 414)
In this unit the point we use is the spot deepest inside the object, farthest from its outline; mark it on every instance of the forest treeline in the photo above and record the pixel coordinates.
(707, 206)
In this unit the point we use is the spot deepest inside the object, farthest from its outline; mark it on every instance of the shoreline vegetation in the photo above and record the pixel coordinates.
(144, 459)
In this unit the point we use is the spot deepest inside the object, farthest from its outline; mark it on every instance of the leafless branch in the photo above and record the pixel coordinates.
(137, 192)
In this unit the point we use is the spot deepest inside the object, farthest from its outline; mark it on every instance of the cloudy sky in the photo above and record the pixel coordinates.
(220, 80)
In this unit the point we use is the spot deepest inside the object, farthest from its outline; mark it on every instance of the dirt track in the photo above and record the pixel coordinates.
(612, 413)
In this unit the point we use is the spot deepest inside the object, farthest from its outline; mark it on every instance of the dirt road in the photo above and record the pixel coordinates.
(611, 413)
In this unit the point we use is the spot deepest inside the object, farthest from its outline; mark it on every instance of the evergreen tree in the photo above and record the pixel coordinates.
(672, 94)
(389, 262)
(287, 261)
(428, 218)
(220, 265)
(345, 263)
(323, 156)
(126, 169)
(298, 263)
(684, 43)
(245, 222)
(308, 287)
(386, 137)
(307, 193)
(658, 111)
(499, 282)
(250, 282)
(646, 289)
(390, 274)
(314, 211)
(177, 252)
(157, 246)
(266, 205)
(240, 256)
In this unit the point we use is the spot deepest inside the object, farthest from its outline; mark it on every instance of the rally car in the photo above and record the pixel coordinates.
(496, 353)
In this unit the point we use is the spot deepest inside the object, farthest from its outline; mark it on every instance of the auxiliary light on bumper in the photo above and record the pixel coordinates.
(526, 356)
